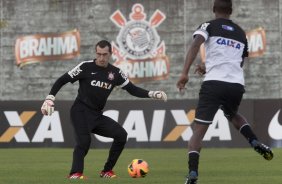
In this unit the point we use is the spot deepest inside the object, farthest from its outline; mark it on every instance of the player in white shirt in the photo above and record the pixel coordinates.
(223, 87)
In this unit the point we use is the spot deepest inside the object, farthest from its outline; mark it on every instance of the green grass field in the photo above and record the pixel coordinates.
(167, 166)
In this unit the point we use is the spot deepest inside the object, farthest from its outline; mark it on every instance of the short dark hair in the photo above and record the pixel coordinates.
(223, 6)
(103, 44)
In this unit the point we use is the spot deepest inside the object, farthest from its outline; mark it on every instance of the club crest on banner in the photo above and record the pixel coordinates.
(138, 49)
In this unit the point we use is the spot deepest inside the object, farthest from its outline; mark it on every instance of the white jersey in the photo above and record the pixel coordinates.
(226, 45)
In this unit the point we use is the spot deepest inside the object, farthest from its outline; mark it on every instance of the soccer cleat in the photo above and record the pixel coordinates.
(108, 174)
(192, 178)
(262, 149)
(77, 176)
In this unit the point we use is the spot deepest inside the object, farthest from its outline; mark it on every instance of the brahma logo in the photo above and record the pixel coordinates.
(46, 47)
(139, 51)
(49, 128)
(257, 42)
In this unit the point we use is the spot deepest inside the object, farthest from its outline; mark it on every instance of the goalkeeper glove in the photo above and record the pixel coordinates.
(48, 105)
(159, 95)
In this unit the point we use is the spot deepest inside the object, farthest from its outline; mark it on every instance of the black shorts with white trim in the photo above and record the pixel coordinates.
(216, 95)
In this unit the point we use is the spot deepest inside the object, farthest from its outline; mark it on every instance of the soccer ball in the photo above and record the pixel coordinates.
(138, 168)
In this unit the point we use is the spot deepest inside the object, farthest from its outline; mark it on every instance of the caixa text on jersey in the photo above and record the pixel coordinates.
(228, 42)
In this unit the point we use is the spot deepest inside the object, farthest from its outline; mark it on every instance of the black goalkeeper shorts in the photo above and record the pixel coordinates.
(216, 95)
(86, 121)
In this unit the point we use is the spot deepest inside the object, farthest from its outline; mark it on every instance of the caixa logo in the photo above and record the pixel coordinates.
(48, 128)
(137, 128)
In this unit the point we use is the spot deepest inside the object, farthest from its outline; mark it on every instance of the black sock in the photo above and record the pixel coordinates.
(247, 132)
(193, 161)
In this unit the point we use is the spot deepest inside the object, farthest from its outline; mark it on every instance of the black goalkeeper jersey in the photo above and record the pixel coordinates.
(96, 83)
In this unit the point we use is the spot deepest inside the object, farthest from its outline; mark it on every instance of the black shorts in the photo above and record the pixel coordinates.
(86, 121)
(216, 95)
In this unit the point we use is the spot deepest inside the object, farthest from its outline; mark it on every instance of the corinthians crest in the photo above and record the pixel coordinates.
(138, 50)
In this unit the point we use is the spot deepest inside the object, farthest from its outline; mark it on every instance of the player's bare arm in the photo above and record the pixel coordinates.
(200, 69)
(190, 57)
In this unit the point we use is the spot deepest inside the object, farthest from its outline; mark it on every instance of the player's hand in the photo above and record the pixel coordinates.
(200, 69)
(47, 107)
(183, 79)
(159, 95)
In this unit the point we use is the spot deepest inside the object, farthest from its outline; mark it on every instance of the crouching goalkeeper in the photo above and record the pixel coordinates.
(97, 78)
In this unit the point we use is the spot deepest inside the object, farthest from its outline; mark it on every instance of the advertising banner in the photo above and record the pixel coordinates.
(148, 123)
(47, 47)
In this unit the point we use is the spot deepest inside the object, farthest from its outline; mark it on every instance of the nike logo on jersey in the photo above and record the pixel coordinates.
(228, 42)
(100, 84)
(93, 73)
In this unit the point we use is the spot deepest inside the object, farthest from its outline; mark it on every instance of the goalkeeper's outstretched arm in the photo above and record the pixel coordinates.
(60, 82)
(142, 93)
(47, 107)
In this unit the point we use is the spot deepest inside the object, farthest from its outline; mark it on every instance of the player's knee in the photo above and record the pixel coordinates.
(81, 149)
(121, 136)
(195, 144)
(194, 147)
(84, 144)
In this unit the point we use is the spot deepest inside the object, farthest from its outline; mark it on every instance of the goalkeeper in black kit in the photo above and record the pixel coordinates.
(97, 78)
